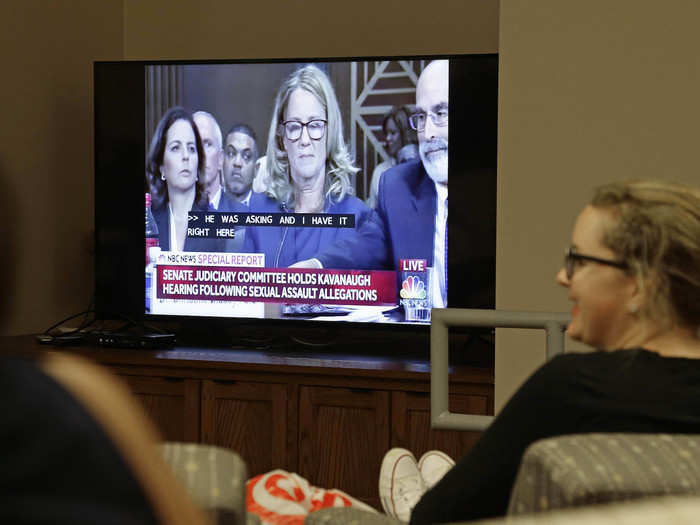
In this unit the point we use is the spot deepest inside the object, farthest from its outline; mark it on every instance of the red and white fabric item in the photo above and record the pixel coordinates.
(279, 497)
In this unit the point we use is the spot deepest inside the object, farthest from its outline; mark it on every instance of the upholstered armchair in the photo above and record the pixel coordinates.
(215, 479)
(584, 469)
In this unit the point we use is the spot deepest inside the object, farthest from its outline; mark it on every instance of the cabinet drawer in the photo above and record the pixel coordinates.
(343, 436)
(172, 403)
(410, 423)
(250, 418)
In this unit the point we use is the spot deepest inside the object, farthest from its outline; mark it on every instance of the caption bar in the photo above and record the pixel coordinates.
(223, 225)
(278, 285)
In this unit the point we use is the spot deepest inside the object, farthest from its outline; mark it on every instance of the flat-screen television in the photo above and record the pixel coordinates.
(277, 194)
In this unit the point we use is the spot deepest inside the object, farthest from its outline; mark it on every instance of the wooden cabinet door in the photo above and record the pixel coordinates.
(172, 404)
(249, 418)
(343, 436)
(411, 423)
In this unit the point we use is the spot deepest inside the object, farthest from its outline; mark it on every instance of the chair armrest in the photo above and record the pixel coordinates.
(583, 469)
(666, 510)
(348, 516)
(214, 477)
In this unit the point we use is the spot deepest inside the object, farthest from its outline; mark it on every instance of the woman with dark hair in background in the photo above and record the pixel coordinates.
(309, 168)
(175, 175)
(397, 135)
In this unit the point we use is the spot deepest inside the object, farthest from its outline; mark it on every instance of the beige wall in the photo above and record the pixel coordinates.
(590, 91)
(46, 52)
(307, 28)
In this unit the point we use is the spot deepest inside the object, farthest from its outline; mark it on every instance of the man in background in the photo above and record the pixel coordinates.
(240, 154)
(210, 133)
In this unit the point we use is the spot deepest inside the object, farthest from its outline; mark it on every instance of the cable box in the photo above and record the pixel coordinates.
(127, 340)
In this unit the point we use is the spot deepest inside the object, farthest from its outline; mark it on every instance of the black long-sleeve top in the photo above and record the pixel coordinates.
(619, 391)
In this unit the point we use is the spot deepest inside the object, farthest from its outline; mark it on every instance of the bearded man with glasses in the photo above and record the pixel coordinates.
(410, 219)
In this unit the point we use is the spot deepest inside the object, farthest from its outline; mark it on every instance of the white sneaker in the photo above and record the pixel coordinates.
(433, 465)
(400, 483)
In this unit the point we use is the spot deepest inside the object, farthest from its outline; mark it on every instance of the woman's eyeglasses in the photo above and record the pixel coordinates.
(573, 260)
(315, 128)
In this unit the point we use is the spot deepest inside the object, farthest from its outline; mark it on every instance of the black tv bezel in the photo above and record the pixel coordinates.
(119, 244)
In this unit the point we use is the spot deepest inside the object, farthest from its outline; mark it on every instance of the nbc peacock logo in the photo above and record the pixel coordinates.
(413, 288)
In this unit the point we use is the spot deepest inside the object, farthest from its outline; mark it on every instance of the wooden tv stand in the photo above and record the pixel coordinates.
(328, 416)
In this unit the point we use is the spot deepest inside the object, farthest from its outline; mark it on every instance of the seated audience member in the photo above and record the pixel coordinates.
(210, 133)
(397, 134)
(633, 275)
(410, 219)
(175, 173)
(240, 154)
(310, 170)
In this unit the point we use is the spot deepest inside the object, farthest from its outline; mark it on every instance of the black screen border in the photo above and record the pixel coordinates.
(119, 139)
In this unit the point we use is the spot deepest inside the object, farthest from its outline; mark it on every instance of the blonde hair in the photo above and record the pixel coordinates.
(656, 231)
(339, 165)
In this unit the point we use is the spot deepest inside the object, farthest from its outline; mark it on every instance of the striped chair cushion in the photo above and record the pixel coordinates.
(582, 469)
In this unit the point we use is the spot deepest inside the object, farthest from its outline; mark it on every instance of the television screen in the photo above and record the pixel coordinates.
(305, 190)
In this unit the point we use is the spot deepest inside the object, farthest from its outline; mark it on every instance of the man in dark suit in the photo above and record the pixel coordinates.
(409, 221)
(240, 154)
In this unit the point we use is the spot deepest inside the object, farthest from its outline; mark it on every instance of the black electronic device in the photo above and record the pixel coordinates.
(75, 339)
(131, 340)
(131, 97)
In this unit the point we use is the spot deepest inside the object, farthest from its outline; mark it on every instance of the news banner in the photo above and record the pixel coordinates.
(239, 284)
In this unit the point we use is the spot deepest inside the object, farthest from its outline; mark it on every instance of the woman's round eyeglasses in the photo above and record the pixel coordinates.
(294, 128)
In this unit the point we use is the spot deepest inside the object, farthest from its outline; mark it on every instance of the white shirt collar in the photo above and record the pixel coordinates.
(438, 292)
(441, 190)
(246, 201)
(215, 199)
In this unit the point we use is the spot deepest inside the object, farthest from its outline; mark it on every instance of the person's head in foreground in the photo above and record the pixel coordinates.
(633, 269)
(306, 154)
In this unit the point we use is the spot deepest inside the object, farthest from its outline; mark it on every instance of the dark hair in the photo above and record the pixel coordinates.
(154, 160)
(656, 231)
(246, 130)
(400, 115)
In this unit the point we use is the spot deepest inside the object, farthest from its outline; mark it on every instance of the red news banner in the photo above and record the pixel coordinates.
(277, 285)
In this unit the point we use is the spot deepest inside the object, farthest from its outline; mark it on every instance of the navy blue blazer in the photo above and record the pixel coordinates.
(192, 244)
(286, 245)
(228, 203)
(402, 225)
